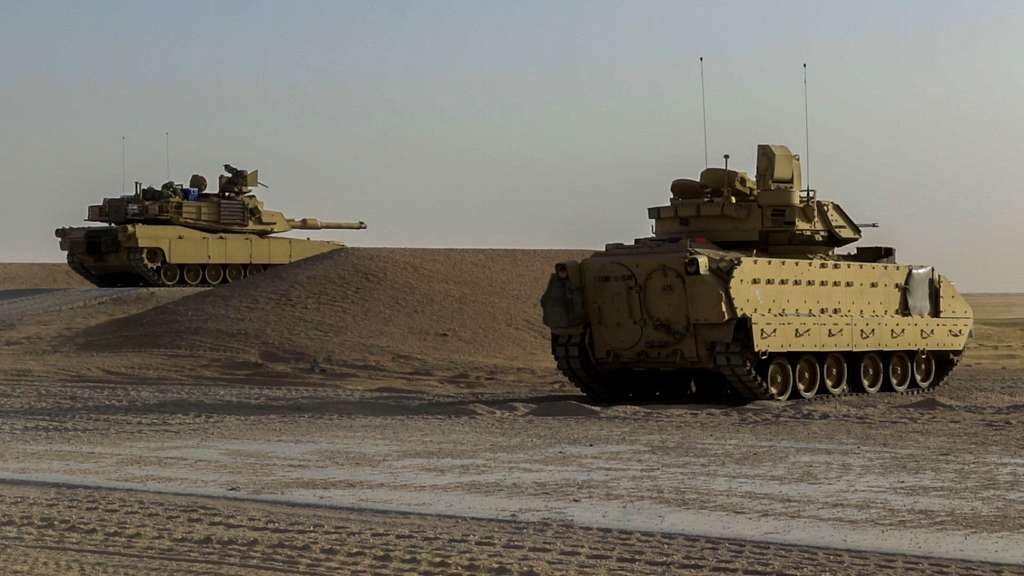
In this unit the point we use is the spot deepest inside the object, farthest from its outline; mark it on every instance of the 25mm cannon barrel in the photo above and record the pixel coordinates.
(314, 224)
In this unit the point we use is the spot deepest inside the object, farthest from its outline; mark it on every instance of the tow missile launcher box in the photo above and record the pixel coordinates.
(741, 292)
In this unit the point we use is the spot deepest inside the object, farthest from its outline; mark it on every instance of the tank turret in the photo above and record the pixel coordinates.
(232, 209)
(769, 214)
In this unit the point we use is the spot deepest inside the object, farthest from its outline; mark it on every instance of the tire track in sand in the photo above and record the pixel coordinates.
(46, 530)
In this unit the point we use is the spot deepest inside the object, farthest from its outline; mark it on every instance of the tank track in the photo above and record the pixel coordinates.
(146, 275)
(572, 356)
(733, 362)
(573, 360)
(738, 367)
(82, 271)
(137, 273)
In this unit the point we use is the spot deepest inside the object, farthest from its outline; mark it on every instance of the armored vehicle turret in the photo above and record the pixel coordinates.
(741, 291)
(769, 214)
(178, 235)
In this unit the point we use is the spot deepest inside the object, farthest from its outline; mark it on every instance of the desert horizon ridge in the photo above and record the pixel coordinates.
(55, 274)
(358, 305)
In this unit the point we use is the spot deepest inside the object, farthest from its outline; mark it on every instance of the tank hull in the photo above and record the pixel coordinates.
(656, 322)
(169, 255)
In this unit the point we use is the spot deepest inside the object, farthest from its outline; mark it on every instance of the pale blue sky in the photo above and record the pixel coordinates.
(533, 124)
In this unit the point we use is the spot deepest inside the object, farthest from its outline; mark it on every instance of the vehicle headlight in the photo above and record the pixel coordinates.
(697, 265)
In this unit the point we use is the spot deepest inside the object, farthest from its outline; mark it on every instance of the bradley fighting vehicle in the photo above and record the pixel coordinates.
(741, 291)
(187, 236)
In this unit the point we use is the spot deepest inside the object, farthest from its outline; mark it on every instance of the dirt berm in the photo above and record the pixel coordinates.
(390, 309)
(39, 275)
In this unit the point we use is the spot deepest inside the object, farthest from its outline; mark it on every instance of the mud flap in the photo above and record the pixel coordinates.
(562, 304)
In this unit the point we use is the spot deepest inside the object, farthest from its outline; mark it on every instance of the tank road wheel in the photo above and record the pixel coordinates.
(169, 274)
(872, 373)
(214, 274)
(900, 371)
(780, 378)
(234, 273)
(193, 274)
(254, 269)
(808, 376)
(834, 374)
(924, 369)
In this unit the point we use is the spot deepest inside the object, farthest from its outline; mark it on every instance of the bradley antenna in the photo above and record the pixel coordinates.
(807, 136)
(704, 112)
(167, 152)
(124, 164)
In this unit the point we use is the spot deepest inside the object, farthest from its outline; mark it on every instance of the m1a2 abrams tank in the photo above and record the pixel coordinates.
(741, 291)
(185, 236)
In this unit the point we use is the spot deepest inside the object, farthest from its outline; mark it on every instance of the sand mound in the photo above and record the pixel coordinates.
(564, 408)
(39, 275)
(928, 404)
(360, 309)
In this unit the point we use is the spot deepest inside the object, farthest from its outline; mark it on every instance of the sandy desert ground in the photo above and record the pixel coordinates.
(389, 411)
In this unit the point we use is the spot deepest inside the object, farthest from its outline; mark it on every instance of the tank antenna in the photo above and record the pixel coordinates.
(124, 164)
(704, 112)
(807, 135)
(167, 149)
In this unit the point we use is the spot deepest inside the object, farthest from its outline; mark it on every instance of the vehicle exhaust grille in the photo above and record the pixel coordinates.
(233, 213)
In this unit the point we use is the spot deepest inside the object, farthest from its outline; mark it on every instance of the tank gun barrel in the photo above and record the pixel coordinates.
(314, 224)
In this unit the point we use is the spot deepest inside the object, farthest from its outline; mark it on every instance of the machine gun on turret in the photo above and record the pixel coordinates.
(238, 182)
